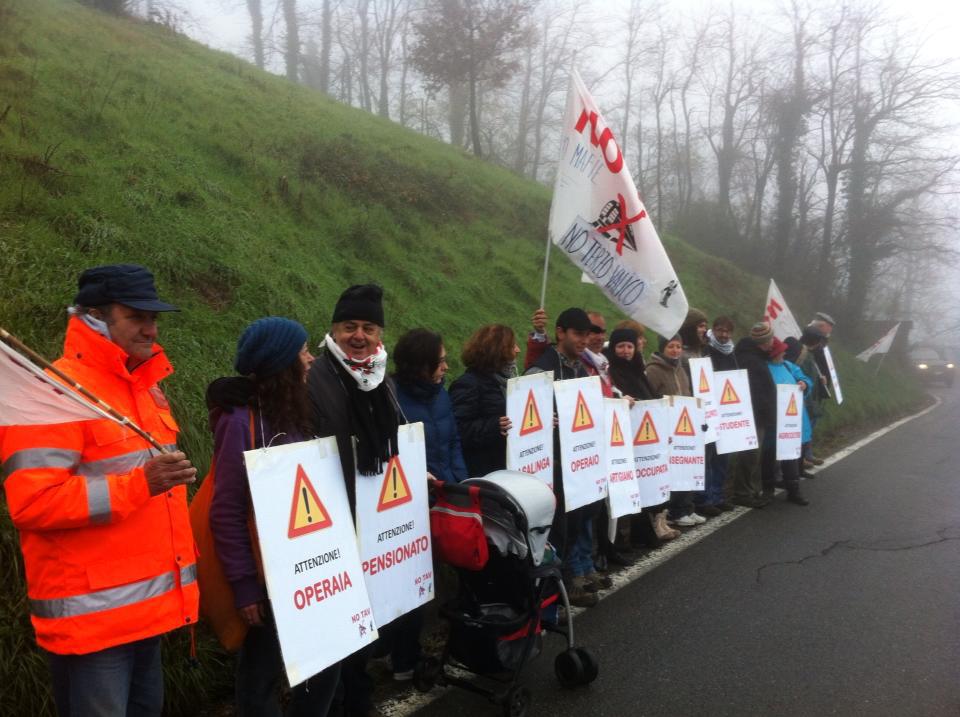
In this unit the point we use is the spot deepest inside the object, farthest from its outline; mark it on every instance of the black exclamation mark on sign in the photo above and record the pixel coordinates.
(306, 503)
(394, 474)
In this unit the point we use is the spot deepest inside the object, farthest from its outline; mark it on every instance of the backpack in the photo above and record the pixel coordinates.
(216, 594)
(456, 525)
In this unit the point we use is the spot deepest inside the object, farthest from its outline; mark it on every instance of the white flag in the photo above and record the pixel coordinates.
(882, 346)
(28, 396)
(599, 222)
(779, 315)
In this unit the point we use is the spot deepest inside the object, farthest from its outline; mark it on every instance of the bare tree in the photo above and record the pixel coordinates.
(292, 45)
(255, 9)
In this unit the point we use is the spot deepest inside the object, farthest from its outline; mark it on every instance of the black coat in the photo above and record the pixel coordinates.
(331, 412)
(763, 391)
(722, 361)
(629, 377)
(479, 400)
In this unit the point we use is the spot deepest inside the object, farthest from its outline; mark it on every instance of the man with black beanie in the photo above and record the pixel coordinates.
(352, 396)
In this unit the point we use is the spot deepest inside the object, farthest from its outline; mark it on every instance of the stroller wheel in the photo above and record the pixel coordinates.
(425, 674)
(590, 667)
(516, 702)
(569, 668)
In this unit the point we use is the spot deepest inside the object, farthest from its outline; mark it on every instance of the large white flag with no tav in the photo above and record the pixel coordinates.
(599, 222)
(881, 347)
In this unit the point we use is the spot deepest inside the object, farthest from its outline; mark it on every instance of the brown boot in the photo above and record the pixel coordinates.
(578, 595)
(664, 531)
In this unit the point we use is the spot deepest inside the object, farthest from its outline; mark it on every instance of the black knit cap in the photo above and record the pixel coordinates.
(361, 302)
(620, 336)
(128, 284)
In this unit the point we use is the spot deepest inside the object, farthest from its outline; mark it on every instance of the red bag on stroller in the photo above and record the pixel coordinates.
(457, 528)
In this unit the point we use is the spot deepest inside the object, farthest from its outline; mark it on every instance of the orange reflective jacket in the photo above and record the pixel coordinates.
(106, 563)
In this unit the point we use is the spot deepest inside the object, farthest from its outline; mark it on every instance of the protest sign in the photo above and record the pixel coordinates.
(736, 428)
(651, 456)
(687, 464)
(393, 526)
(834, 379)
(310, 558)
(530, 440)
(779, 315)
(598, 221)
(701, 376)
(623, 491)
(582, 440)
(789, 421)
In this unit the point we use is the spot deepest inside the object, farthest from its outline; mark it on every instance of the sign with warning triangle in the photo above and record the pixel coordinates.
(684, 424)
(647, 432)
(704, 384)
(616, 433)
(729, 395)
(582, 418)
(531, 416)
(395, 489)
(792, 406)
(307, 512)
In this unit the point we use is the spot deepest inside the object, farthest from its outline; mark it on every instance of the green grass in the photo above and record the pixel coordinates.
(248, 196)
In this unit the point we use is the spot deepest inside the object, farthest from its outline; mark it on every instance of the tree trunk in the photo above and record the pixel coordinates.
(256, 31)
(292, 54)
(457, 114)
(523, 116)
(326, 42)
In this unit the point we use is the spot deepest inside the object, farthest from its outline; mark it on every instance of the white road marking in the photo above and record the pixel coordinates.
(408, 704)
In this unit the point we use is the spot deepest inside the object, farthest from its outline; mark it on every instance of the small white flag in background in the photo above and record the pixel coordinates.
(779, 315)
(28, 396)
(599, 222)
(882, 346)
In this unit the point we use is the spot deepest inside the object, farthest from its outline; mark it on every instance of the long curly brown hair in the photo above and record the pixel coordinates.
(489, 349)
(284, 401)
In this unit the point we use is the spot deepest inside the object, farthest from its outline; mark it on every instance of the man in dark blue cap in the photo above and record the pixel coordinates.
(104, 529)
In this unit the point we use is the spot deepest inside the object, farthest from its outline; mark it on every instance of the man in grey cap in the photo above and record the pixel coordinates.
(821, 327)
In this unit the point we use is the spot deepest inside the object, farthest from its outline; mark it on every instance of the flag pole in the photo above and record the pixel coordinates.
(546, 266)
(880, 363)
(36, 358)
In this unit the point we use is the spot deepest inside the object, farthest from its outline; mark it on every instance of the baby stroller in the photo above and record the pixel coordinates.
(497, 619)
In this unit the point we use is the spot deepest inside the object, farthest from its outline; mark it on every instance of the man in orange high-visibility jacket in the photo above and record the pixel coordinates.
(104, 528)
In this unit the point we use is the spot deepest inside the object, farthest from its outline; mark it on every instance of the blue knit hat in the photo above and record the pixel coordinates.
(268, 346)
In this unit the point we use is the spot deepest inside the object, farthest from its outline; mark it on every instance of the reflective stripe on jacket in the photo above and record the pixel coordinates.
(106, 563)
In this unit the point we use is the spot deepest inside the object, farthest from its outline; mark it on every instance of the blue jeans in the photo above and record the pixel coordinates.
(260, 671)
(714, 478)
(579, 558)
(122, 680)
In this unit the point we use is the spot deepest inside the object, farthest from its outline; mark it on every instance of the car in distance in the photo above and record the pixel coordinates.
(930, 366)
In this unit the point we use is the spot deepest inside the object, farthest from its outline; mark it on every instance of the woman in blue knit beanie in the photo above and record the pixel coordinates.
(272, 360)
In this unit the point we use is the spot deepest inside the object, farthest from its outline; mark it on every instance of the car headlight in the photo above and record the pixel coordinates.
(949, 365)
(922, 365)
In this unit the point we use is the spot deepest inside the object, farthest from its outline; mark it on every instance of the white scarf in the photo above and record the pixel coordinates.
(368, 373)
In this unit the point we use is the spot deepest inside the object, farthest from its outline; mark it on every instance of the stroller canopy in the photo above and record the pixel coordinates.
(532, 499)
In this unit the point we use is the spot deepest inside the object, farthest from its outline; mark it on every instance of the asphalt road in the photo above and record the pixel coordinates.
(850, 606)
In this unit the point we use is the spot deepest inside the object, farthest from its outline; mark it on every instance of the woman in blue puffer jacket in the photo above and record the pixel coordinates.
(784, 372)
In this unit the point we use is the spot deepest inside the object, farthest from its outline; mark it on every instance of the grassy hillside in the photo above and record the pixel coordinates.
(249, 196)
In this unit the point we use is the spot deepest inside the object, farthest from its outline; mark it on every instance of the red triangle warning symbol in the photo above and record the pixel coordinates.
(647, 433)
(395, 490)
(616, 433)
(307, 512)
(582, 418)
(729, 395)
(704, 384)
(792, 406)
(684, 425)
(531, 416)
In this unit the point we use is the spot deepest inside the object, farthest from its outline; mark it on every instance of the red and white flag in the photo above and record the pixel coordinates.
(599, 222)
(779, 315)
(880, 347)
(29, 396)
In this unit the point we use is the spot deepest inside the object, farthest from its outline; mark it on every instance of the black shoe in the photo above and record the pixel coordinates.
(750, 502)
(725, 506)
(797, 499)
(616, 558)
(710, 511)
